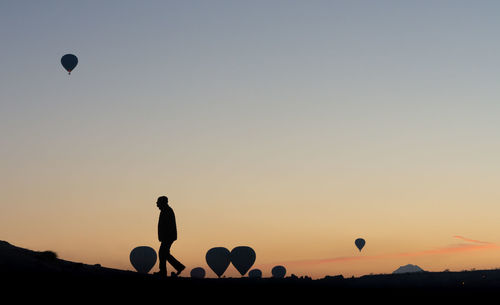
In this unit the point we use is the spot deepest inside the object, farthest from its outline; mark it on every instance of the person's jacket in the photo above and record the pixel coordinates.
(167, 230)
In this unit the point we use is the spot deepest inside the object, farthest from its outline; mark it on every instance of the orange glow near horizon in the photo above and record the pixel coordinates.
(287, 230)
(445, 250)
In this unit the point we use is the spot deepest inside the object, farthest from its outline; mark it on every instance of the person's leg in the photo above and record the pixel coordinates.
(163, 255)
(173, 261)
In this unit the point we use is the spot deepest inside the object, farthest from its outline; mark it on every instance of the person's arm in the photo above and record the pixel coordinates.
(171, 229)
(174, 224)
(160, 228)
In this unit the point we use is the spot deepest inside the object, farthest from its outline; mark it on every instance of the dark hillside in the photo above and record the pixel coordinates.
(41, 275)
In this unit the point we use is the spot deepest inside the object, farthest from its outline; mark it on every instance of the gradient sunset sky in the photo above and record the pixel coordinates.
(293, 127)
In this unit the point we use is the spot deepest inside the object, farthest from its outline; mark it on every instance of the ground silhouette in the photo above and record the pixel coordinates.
(28, 274)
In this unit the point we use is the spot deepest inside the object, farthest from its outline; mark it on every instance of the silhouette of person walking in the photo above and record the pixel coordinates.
(167, 234)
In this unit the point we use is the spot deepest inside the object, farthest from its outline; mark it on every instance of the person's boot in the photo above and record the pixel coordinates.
(180, 270)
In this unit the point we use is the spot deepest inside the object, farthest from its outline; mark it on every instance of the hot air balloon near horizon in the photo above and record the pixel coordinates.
(278, 272)
(143, 258)
(198, 273)
(255, 274)
(242, 258)
(360, 243)
(69, 62)
(218, 260)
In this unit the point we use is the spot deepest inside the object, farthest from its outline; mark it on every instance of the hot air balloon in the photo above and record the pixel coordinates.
(198, 273)
(255, 274)
(143, 258)
(69, 62)
(360, 243)
(278, 272)
(242, 258)
(218, 260)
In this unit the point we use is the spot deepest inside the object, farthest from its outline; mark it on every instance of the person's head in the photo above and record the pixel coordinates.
(162, 202)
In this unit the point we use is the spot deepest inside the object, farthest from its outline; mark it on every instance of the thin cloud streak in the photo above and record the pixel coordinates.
(458, 248)
(472, 240)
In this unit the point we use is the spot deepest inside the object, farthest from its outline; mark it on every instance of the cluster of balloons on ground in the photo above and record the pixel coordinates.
(143, 259)
(219, 258)
(242, 258)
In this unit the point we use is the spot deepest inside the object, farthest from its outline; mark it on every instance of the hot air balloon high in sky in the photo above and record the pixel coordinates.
(69, 62)
(143, 258)
(360, 243)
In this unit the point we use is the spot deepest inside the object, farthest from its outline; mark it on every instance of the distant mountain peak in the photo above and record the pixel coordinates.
(408, 269)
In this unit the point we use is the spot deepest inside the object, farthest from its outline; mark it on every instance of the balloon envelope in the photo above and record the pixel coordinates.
(360, 243)
(278, 272)
(242, 258)
(198, 273)
(69, 62)
(143, 258)
(218, 260)
(255, 274)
